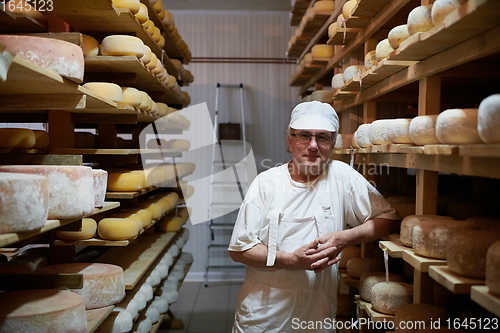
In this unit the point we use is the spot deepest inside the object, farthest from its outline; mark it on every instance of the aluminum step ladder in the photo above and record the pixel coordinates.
(229, 183)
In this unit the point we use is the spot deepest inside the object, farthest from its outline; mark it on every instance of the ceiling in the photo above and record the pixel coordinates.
(260, 5)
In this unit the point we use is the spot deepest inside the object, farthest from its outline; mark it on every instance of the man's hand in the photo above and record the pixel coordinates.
(329, 247)
(300, 259)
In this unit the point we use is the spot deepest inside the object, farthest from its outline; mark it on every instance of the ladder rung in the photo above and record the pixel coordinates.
(217, 226)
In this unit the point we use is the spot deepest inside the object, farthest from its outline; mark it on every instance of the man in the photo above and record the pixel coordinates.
(292, 227)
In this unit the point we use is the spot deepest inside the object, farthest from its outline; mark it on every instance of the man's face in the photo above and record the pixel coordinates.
(311, 150)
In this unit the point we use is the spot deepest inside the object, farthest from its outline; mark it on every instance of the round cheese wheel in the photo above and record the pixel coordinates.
(383, 49)
(324, 5)
(149, 26)
(148, 55)
(370, 60)
(398, 131)
(153, 314)
(423, 130)
(17, 138)
(42, 139)
(413, 313)
(368, 280)
(387, 297)
(168, 19)
(144, 101)
(118, 228)
(161, 42)
(457, 126)
(155, 208)
(161, 304)
(103, 284)
(158, 6)
(430, 236)
(106, 90)
(324, 96)
(343, 141)
(341, 22)
(131, 96)
(466, 252)
(356, 267)
(89, 229)
(122, 45)
(363, 135)
(158, 68)
(409, 222)
(132, 5)
(156, 34)
(441, 9)
(42, 311)
(332, 30)
(488, 119)
(420, 19)
(397, 35)
(347, 254)
(125, 182)
(146, 215)
(142, 15)
(322, 51)
(338, 81)
(118, 321)
(486, 223)
(492, 270)
(354, 73)
(179, 144)
(90, 46)
(379, 130)
(462, 210)
(348, 8)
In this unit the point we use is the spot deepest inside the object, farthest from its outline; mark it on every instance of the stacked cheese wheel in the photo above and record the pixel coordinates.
(23, 138)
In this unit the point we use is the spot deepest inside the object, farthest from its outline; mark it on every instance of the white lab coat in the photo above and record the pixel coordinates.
(284, 215)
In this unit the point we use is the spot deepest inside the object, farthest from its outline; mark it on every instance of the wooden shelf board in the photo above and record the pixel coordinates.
(344, 36)
(412, 150)
(441, 149)
(129, 195)
(348, 280)
(299, 79)
(10, 238)
(19, 22)
(390, 67)
(130, 151)
(482, 296)
(451, 281)
(480, 150)
(374, 315)
(420, 263)
(369, 8)
(394, 248)
(340, 95)
(95, 317)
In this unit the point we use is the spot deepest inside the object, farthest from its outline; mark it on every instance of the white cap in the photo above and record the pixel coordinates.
(314, 115)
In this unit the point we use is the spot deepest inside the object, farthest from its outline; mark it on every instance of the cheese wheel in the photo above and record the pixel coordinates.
(168, 20)
(404, 206)
(130, 214)
(149, 26)
(90, 46)
(42, 311)
(103, 284)
(338, 81)
(343, 141)
(398, 131)
(170, 224)
(156, 34)
(161, 304)
(397, 35)
(179, 144)
(148, 55)
(387, 297)
(457, 126)
(332, 29)
(155, 208)
(105, 90)
(488, 119)
(441, 9)
(68, 61)
(409, 222)
(368, 280)
(356, 267)
(430, 236)
(42, 139)
(17, 267)
(370, 60)
(486, 223)
(466, 252)
(17, 138)
(348, 8)
(420, 19)
(423, 130)
(355, 141)
(324, 96)
(322, 51)
(383, 49)
(158, 6)
(70, 188)
(462, 210)
(413, 313)
(324, 5)
(158, 68)
(142, 15)
(118, 228)
(161, 42)
(100, 183)
(89, 229)
(379, 131)
(363, 135)
(132, 5)
(125, 182)
(492, 269)
(143, 324)
(122, 45)
(131, 96)
(354, 73)
(341, 22)
(118, 321)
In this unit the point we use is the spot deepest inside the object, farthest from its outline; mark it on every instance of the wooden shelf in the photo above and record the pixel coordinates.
(309, 29)
(451, 281)
(6, 239)
(482, 296)
(129, 195)
(19, 22)
(421, 264)
(344, 36)
(480, 150)
(394, 248)
(374, 315)
(298, 10)
(348, 280)
(95, 317)
(130, 151)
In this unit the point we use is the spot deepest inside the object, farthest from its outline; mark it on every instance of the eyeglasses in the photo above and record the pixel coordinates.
(306, 137)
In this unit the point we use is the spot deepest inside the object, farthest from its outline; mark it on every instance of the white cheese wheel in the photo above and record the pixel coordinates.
(430, 236)
(409, 222)
(142, 15)
(324, 5)
(161, 304)
(338, 81)
(399, 131)
(141, 301)
(370, 60)
(70, 188)
(355, 141)
(132, 5)
(122, 45)
(322, 51)
(118, 229)
(379, 131)
(118, 321)
(153, 314)
(143, 324)
(368, 280)
(423, 130)
(354, 73)
(68, 61)
(488, 119)
(343, 141)
(441, 9)
(387, 297)
(158, 68)
(42, 311)
(348, 8)
(106, 90)
(131, 96)
(492, 269)
(363, 135)
(466, 252)
(332, 29)
(457, 126)
(148, 55)
(90, 46)
(420, 20)
(341, 21)
(356, 267)
(103, 284)
(100, 184)
(383, 49)
(413, 313)
(324, 96)
(42, 139)
(17, 138)
(89, 229)
(347, 254)
(397, 35)
(179, 144)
